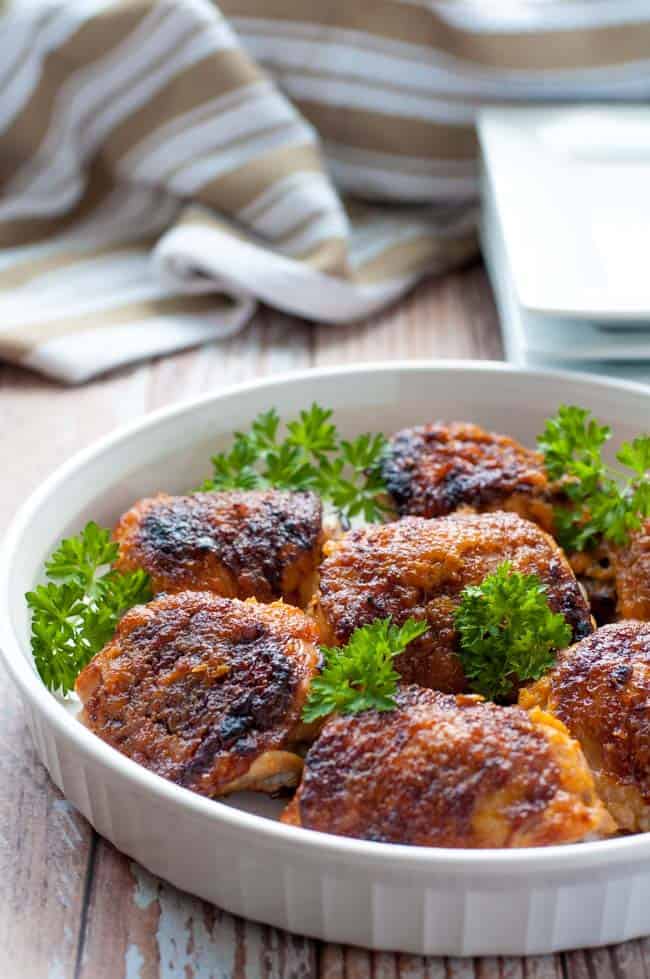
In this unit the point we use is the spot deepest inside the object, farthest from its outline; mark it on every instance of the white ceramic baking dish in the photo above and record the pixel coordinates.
(427, 901)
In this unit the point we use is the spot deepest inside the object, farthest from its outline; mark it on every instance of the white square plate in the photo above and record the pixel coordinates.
(571, 190)
(533, 339)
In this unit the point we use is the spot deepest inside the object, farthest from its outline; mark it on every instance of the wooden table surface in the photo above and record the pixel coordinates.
(70, 904)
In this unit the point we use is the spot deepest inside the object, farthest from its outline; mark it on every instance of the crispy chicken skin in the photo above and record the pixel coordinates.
(417, 567)
(433, 470)
(204, 690)
(600, 688)
(448, 771)
(261, 544)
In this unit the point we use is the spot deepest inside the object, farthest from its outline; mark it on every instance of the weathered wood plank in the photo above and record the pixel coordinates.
(286, 956)
(384, 965)
(410, 966)
(358, 963)
(447, 318)
(628, 961)
(43, 423)
(644, 945)
(435, 968)
(577, 965)
(488, 968)
(44, 846)
(460, 968)
(126, 930)
(139, 927)
(331, 962)
(543, 967)
(511, 968)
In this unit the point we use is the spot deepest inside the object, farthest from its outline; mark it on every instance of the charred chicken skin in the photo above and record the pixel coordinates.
(440, 770)
(205, 691)
(261, 544)
(418, 568)
(433, 470)
(600, 689)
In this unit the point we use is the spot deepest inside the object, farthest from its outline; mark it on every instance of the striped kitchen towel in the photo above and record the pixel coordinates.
(165, 165)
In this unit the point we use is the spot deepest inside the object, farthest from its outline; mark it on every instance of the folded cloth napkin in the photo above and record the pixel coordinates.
(165, 165)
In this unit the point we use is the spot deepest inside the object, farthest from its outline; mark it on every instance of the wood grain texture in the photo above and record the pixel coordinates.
(71, 906)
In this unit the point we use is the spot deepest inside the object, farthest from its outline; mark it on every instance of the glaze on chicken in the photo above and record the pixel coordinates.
(261, 544)
(205, 691)
(433, 470)
(448, 771)
(600, 688)
(417, 567)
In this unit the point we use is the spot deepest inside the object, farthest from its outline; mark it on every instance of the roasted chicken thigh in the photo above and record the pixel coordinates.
(204, 690)
(440, 770)
(433, 470)
(417, 567)
(263, 544)
(600, 689)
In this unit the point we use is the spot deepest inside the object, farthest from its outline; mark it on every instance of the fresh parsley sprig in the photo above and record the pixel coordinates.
(603, 501)
(360, 675)
(507, 632)
(75, 614)
(310, 456)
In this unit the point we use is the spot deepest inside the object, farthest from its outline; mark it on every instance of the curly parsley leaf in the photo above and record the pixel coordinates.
(602, 501)
(287, 468)
(313, 432)
(77, 558)
(75, 614)
(572, 444)
(235, 469)
(636, 454)
(360, 675)
(264, 431)
(311, 456)
(507, 632)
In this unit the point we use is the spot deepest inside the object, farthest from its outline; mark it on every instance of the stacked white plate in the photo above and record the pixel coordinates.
(566, 235)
